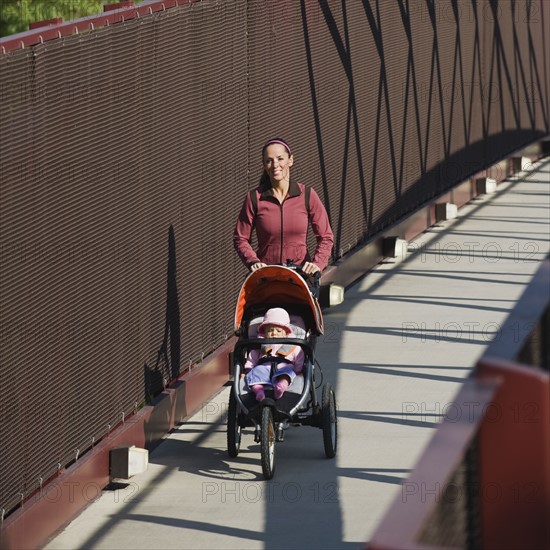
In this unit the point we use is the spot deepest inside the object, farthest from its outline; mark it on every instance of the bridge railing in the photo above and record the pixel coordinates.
(483, 482)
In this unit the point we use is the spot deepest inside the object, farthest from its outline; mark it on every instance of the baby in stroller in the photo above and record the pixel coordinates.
(273, 365)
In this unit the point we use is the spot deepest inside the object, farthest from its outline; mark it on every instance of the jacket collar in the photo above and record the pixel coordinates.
(266, 190)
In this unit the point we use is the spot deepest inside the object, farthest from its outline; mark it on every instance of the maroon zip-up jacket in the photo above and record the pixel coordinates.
(282, 228)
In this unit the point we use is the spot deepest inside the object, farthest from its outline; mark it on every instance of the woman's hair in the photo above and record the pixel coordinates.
(264, 179)
(279, 141)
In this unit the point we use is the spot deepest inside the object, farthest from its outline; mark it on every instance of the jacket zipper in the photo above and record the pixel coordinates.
(281, 254)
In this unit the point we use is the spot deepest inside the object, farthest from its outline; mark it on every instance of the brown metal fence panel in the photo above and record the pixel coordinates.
(126, 152)
(117, 264)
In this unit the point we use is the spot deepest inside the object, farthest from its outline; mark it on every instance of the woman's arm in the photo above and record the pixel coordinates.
(243, 233)
(322, 230)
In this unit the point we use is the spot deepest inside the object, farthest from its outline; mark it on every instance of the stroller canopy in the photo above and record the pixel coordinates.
(276, 284)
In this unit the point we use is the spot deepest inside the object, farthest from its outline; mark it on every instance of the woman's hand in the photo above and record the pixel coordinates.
(309, 269)
(257, 265)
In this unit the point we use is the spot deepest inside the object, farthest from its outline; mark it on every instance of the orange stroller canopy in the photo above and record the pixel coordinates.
(276, 284)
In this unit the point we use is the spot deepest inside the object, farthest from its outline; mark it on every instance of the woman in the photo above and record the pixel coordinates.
(280, 210)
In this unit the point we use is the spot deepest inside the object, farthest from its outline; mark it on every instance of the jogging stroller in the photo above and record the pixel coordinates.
(286, 287)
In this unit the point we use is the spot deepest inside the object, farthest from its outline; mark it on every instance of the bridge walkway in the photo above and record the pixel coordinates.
(397, 351)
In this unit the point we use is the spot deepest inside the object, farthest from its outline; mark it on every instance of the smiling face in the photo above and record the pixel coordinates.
(277, 163)
(273, 331)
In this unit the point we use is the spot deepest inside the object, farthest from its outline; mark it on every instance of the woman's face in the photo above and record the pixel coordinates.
(277, 163)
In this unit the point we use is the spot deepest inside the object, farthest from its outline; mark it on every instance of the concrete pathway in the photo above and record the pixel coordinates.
(397, 351)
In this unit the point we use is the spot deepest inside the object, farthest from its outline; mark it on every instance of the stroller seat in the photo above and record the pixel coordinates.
(299, 331)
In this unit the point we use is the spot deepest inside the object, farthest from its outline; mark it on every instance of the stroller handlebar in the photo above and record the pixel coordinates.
(313, 279)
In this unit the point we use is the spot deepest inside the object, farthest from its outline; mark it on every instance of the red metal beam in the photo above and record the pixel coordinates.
(68, 28)
(118, 5)
(45, 23)
(401, 527)
(515, 459)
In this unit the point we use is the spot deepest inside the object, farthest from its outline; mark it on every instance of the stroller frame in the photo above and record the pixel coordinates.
(278, 286)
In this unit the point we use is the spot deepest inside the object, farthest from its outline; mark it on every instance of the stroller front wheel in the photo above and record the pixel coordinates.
(234, 430)
(267, 443)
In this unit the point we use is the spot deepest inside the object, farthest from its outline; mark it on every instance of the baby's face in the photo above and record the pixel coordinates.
(274, 331)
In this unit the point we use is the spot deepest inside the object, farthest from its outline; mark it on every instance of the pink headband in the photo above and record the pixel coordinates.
(285, 145)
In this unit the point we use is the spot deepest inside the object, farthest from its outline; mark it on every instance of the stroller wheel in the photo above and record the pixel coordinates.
(234, 430)
(329, 421)
(267, 443)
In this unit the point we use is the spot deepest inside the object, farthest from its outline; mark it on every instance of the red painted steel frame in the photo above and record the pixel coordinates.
(514, 466)
(116, 15)
(515, 459)
(45, 23)
(402, 525)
